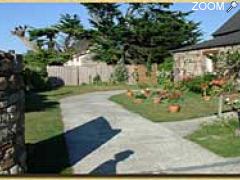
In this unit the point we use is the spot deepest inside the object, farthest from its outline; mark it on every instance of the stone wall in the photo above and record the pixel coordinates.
(192, 63)
(12, 144)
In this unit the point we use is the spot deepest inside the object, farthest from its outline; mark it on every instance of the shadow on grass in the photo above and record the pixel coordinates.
(35, 102)
(55, 154)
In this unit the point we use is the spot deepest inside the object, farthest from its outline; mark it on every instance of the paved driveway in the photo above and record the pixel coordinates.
(104, 138)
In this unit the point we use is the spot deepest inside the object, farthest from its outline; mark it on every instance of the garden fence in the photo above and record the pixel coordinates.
(78, 75)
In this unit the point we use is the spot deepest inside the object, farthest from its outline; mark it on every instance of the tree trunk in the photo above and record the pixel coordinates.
(30, 45)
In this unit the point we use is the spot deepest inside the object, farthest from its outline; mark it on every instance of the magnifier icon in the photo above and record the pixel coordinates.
(233, 5)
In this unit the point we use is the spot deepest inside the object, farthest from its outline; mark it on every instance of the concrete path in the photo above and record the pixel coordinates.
(104, 138)
(184, 128)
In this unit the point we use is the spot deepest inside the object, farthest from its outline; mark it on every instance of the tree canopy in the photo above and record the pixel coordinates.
(139, 33)
(61, 36)
(144, 33)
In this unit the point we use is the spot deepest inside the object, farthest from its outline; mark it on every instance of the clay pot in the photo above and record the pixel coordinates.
(206, 98)
(129, 93)
(147, 92)
(186, 78)
(218, 82)
(204, 86)
(156, 100)
(138, 101)
(173, 108)
(163, 94)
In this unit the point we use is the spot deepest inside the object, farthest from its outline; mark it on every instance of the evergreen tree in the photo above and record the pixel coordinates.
(72, 28)
(120, 72)
(42, 35)
(146, 31)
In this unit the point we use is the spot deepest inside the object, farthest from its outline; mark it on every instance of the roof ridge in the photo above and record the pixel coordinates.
(231, 25)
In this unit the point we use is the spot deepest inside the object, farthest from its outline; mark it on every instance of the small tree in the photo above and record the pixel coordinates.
(228, 64)
(120, 72)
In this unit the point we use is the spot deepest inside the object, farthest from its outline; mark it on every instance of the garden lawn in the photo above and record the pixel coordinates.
(46, 146)
(193, 106)
(219, 137)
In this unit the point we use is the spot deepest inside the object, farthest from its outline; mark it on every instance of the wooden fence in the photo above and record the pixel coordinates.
(77, 75)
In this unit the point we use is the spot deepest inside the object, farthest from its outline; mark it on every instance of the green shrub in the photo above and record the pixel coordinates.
(143, 85)
(35, 71)
(208, 77)
(164, 75)
(140, 96)
(97, 79)
(163, 78)
(36, 80)
(194, 84)
(167, 64)
(35, 63)
(120, 73)
(84, 84)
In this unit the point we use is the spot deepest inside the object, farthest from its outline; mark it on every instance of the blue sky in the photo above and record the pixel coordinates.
(41, 15)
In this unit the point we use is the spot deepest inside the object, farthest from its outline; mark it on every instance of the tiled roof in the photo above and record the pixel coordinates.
(227, 34)
(229, 39)
(232, 25)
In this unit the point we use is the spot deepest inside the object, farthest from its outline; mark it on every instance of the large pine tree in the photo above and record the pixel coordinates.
(142, 33)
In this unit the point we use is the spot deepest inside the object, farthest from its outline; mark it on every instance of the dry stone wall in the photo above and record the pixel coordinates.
(192, 63)
(12, 144)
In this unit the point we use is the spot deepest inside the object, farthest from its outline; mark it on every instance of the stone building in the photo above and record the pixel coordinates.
(193, 60)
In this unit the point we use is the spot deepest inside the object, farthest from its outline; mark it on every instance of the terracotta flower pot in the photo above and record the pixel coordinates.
(156, 100)
(204, 86)
(186, 78)
(206, 98)
(147, 92)
(163, 93)
(129, 93)
(173, 108)
(138, 101)
(218, 82)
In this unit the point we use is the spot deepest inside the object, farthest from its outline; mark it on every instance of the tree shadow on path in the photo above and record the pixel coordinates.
(110, 167)
(60, 152)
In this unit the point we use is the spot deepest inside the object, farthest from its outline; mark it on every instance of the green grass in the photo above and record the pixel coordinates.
(44, 128)
(193, 106)
(219, 137)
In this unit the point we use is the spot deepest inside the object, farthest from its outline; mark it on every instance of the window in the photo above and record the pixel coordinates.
(208, 65)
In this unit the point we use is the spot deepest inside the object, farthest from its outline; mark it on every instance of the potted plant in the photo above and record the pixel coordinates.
(147, 92)
(129, 93)
(175, 99)
(163, 94)
(139, 98)
(156, 100)
(204, 88)
(218, 82)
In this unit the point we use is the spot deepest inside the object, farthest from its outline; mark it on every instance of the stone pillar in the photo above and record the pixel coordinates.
(12, 143)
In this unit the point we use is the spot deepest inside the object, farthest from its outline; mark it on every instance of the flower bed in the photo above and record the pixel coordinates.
(192, 106)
